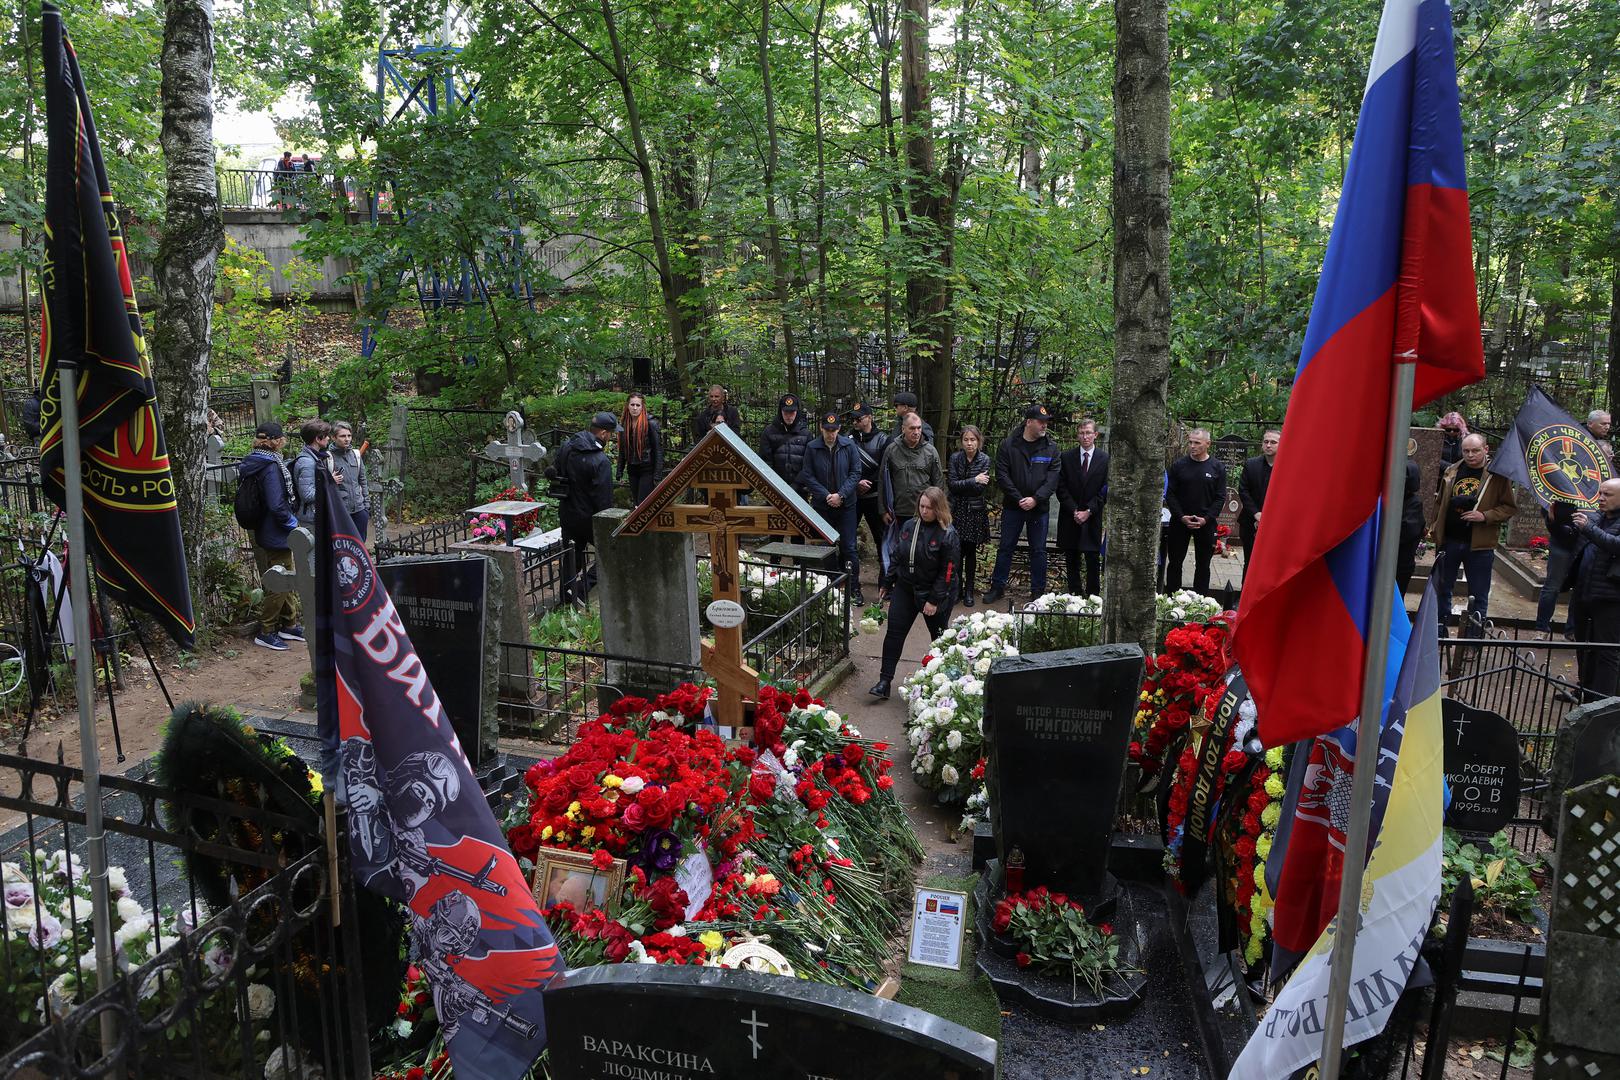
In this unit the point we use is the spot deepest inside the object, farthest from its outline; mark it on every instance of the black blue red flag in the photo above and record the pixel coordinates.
(1397, 287)
(419, 827)
(91, 324)
(1549, 453)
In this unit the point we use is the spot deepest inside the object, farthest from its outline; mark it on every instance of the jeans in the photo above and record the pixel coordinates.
(1455, 555)
(1203, 542)
(1015, 520)
(1558, 562)
(846, 520)
(904, 607)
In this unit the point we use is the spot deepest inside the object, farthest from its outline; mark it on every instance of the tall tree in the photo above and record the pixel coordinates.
(927, 225)
(1137, 417)
(192, 237)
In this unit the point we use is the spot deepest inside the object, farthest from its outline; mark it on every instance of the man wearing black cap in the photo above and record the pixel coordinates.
(1027, 472)
(829, 478)
(586, 487)
(905, 403)
(871, 443)
(782, 442)
(264, 467)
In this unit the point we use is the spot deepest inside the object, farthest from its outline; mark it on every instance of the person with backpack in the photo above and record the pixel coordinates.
(317, 436)
(264, 507)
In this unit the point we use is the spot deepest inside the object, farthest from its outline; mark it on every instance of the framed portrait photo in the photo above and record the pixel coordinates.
(569, 877)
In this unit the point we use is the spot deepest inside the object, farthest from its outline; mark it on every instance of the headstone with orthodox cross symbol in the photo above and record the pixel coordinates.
(301, 580)
(722, 467)
(515, 450)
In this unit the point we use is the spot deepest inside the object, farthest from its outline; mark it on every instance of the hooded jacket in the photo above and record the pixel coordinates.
(782, 445)
(280, 518)
(583, 464)
(303, 473)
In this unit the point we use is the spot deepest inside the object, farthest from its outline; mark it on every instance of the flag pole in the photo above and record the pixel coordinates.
(1368, 729)
(95, 836)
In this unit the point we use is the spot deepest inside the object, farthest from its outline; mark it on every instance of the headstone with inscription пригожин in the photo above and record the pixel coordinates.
(442, 603)
(1482, 768)
(704, 1023)
(1058, 725)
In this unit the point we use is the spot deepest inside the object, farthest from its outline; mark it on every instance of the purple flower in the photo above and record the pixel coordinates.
(19, 894)
(662, 852)
(46, 933)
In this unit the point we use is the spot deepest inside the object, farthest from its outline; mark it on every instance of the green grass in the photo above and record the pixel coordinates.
(962, 997)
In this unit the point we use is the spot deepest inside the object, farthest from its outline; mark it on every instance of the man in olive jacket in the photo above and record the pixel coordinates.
(1473, 504)
(910, 464)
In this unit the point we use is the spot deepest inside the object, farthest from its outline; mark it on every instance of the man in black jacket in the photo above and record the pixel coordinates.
(1196, 493)
(1596, 603)
(1252, 484)
(831, 472)
(782, 442)
(1082, 491)
(715, 410)
(1027, 472)
(587, 475)
(869, 499)
(1412, 524)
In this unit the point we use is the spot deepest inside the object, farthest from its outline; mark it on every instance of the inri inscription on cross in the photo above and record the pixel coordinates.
(721, 467)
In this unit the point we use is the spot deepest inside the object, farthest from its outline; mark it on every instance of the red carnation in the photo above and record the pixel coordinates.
(884, 783)
(853, 752)
(602, 859)
(1022, 959)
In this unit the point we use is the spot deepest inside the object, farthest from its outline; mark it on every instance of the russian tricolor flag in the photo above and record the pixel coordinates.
(1397, 286)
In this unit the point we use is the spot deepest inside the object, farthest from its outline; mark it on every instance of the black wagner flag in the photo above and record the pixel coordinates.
(1552, 455)
(91, 323)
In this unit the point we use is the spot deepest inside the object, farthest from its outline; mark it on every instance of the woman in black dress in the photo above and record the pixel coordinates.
(922, 579)
(641, 448)
(969, 477)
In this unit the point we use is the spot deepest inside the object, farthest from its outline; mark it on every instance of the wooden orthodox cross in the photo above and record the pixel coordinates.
(722, 467)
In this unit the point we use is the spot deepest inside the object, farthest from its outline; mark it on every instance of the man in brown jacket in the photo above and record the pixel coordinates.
(1473, 504)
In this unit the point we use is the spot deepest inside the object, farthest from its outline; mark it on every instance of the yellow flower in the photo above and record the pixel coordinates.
(1259, 881)
(1146, 696)
(1274, 758)
(1274, 787)
(573, 811)
(587, 832)
(315, 784)
(1262, 846)
(712, 940)
(611, 780)
(1271, 815)
(545, 833)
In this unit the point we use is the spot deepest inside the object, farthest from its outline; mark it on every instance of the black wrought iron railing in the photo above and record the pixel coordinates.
(547, 691)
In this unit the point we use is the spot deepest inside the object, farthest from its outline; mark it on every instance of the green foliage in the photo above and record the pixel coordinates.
(568, 627)
(1499, 874)
(250, 334)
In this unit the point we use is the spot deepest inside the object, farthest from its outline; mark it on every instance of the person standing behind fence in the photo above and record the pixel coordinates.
(641, 448)
(922, 579)
(905, 404)
(1595, 606)
(1196, 492)
(316, 454)
(910, 464)
(1253, 483)
(969, 473)
(1027, 472)
(586, 482)
(1473, 504)
(1082, 492)
(715, 410)
(264, 467)
(352, 488)
(871, 443)
(829, 477)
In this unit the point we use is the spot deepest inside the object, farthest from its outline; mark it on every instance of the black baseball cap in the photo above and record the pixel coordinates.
(859, 409)
(789, 401)
(268, 430)
(604, 421)
(906, 397)
(830, 421)
(1037, 412)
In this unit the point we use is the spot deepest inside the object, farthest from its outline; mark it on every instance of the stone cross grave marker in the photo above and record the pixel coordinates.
(1065, 716)
(515, 450)
(723, 467)
(702, 1023)
(301, 580)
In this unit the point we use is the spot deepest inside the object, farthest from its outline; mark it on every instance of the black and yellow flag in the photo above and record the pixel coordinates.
(91, 324)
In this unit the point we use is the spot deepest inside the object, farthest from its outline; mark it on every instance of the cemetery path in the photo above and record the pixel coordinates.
(233, 672)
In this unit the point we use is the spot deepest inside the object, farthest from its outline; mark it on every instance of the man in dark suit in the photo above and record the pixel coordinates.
(1082, 491)
(1596, 602)
(1252, 484)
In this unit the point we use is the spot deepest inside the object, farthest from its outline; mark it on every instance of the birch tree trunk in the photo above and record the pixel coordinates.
(184, 271)
(1138, 426)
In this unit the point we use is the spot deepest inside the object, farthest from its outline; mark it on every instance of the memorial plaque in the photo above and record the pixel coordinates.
(1482, 768)
(1231, 451)
(701, 1023)
(1058, 725)
(441, 603)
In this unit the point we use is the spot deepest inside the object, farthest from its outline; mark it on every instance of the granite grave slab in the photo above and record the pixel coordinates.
(1588, 747)
(1482, 768)
(441, 601)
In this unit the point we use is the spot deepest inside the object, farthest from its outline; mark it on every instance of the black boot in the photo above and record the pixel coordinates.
(880, 689)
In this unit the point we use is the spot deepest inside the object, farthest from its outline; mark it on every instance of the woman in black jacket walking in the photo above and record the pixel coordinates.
(641, 448)
(969, 477)
(922, 579)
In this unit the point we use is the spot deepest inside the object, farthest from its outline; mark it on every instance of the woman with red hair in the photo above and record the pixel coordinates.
(641, 448)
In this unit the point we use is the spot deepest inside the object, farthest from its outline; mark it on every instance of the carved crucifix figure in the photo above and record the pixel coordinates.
(721, 468)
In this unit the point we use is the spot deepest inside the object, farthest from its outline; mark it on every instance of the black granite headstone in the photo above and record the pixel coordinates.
(441, 603)
(1231, 451)
(702, 1023)
(1482, 768)
(1058, 725)
(1588, 746)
